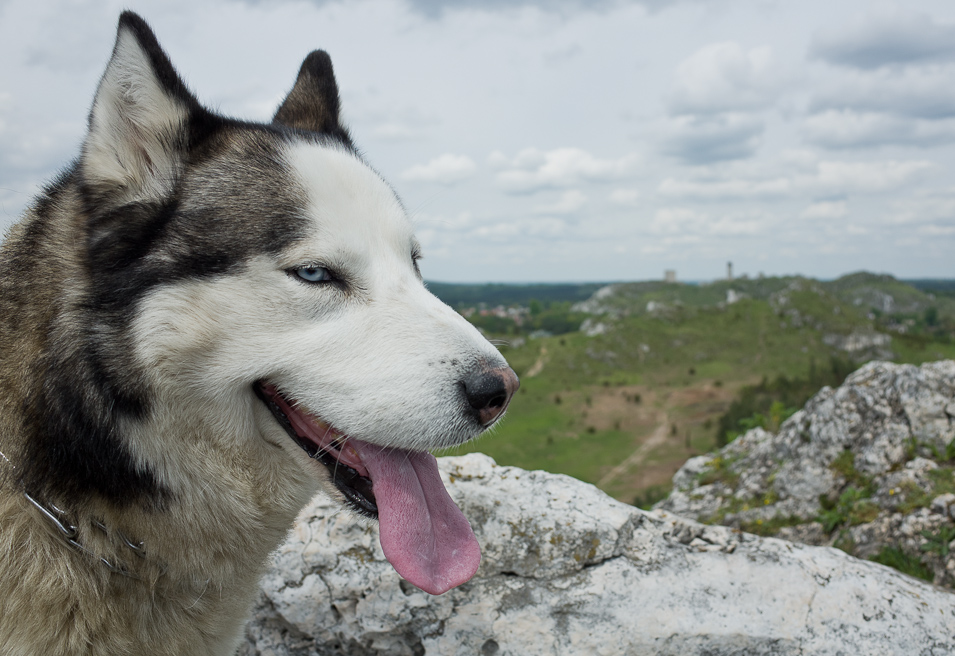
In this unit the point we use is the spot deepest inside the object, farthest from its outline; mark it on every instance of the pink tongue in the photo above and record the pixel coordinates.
(424, 535)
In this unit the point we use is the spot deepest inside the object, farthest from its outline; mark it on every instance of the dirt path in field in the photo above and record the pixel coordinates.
(672, 416)
(538, 366)
(657, 438)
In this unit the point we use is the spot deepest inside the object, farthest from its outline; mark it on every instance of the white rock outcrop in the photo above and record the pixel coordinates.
(868, 466)
(567, 570)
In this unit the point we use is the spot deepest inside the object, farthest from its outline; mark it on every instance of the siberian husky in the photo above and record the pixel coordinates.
(203, 323)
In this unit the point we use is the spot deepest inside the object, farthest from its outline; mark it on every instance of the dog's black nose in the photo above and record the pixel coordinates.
(489, 391)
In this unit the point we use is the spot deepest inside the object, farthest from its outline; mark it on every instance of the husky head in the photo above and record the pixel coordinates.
(258, 284)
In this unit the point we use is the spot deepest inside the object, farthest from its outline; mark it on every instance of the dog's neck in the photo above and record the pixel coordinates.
(200, 579)
(137, 564)
(177, 551)
(126, 556)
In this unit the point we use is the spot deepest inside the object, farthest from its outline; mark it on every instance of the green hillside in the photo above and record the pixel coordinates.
(625, 406)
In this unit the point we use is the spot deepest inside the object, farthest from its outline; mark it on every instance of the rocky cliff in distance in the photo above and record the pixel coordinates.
(569, 571)
(867, 467)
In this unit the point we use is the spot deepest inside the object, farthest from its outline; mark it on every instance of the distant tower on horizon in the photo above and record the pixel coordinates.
(729, 270)
(669, 275)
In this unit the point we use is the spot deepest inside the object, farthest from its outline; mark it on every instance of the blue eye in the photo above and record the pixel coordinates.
(313, 274)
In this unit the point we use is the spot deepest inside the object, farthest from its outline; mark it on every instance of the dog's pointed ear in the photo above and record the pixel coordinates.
(313, 102)
(139, 124)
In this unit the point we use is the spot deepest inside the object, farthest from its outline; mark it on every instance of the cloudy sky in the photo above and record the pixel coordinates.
(568, 140)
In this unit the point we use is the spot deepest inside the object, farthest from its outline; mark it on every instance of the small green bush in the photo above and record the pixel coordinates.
(789, 393)
(896, 558)
(647, 497)
(771, 527)
(720, 469)
(938, 541)
(853, 508)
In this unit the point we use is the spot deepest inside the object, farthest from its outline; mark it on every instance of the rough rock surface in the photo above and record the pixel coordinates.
(867, 467)
(859, 342)
(567, 570)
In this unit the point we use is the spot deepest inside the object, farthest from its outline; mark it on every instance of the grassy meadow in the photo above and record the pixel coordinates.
(625, 408)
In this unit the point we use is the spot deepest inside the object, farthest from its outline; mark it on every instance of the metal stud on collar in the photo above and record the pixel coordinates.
(56, 516)
(70, 532)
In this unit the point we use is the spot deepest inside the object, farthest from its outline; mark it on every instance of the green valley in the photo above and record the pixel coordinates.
(642, 382)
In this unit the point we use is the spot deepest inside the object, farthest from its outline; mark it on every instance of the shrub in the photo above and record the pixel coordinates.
(938, 541)
(853, 508)
(755, 403)
(720, 469)
(772, 526)
(895, 557)
(647, 497)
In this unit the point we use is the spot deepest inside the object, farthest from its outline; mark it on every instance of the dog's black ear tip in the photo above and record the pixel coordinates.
(133, 21)
(317, 58)
(317, 64)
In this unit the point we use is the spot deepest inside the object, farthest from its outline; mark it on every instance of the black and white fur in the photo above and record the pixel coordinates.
(142, 297)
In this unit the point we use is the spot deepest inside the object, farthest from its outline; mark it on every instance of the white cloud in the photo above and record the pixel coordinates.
(933, 230)
(925, 93)
(524, 228)
(726, 189)
(937, 210)
(723, 77)
(570, 202)
(742, 225)
(498, 160)
(456, 222)
(706, 139)
(532, 170)
(446, 169)
(625, 197)
(439, 231)
(385, 121)
(910, 106)
(826, 178)
(714, 104)
(435, 9)
(886, 39)
(864, 177)
(676, 219)
(6, 100)
(685, 223)
(838, 129)
(826, 210)
(395, 131)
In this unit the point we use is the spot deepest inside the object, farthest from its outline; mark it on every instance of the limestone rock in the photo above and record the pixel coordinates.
(593, 328)
(860, 342)
(567, 570)
(867, 467)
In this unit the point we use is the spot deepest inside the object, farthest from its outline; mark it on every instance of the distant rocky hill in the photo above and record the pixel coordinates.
(867, 293)
(859, 314)
(867, 467)
(567, 570)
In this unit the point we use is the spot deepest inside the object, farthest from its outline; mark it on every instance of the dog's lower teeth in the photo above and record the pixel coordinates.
(356, 488)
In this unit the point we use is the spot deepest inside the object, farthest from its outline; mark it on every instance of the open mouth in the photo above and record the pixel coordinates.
(326, 445)
(424, 535)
